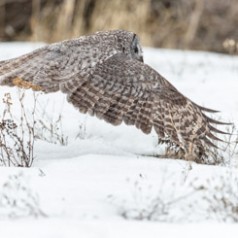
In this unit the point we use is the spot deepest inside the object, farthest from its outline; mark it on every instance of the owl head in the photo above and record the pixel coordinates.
(122, 41)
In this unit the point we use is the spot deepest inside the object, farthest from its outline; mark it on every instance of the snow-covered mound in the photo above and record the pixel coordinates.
(90, 179)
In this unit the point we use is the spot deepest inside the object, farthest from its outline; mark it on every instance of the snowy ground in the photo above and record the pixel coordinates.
(105, 181)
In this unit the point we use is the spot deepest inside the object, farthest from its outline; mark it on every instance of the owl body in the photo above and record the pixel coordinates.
(103, 74)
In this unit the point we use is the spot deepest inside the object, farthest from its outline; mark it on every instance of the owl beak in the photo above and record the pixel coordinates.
(141, 59)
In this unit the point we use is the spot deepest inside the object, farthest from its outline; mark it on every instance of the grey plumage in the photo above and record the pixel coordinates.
(103, 74)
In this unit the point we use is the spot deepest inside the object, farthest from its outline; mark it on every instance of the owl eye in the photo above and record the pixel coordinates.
(136, 50)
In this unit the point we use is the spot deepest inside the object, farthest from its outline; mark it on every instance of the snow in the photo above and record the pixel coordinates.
(105, 181)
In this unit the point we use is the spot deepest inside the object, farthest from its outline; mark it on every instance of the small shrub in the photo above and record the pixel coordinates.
(17, 199)
(17, 138)
(50, 129)
(219, 198)
(153, 203)
(18, 135)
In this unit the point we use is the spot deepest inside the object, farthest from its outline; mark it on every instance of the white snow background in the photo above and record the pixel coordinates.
(106, 182)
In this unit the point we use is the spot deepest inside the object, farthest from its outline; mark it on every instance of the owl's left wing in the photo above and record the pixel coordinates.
(45, 68)
(125, 90)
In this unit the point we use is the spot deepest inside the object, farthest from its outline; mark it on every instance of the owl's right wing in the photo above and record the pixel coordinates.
(125, 90)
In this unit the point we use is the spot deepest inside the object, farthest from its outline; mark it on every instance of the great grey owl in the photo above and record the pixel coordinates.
(103, 74)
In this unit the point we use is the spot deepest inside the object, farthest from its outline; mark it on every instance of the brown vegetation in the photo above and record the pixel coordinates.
(184, 24)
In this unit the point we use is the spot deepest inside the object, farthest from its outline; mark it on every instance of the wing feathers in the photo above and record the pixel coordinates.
(146, 101)
(22, 67)
(143, 118)
(130, 116)
(218, 131)
(210, 120)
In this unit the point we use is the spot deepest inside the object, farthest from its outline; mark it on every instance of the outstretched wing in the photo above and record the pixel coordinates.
(47, 67)
(125, 90)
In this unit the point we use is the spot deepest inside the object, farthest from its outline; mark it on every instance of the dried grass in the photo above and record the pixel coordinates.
(184, 24)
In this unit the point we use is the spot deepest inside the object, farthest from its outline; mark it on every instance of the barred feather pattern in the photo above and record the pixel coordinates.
(104, 75)
(124, 90)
